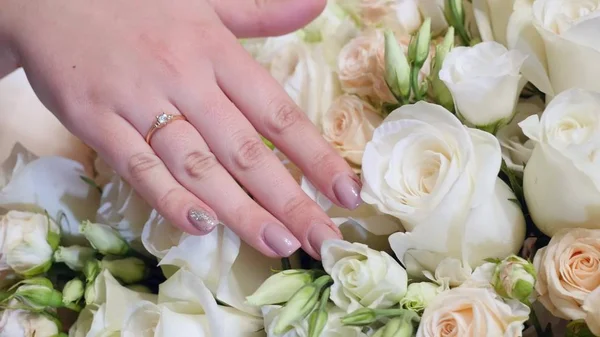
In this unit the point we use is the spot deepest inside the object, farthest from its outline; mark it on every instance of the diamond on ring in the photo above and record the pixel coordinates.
(163, 119)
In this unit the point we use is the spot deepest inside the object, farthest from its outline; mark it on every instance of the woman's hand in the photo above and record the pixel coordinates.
(108, 68)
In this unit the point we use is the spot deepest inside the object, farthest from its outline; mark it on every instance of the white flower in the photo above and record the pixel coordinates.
(492, 18)
(484, 82)
(50, 184)
(567, 272)
(420, 294)
(24, 242)
(438, 176)
(186, 307)
(561, 40)
(473, 312)
(24, 323)
(362, 277)
(562, 178)
(230, 269)
(123, 209)
(516, 147)
(333, 327)
(592, 309)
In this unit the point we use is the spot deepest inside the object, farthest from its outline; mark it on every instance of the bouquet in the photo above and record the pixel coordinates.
(475, 128)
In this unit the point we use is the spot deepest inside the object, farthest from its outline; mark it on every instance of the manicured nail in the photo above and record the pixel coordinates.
(202, 220)
(347, 191)
(280, 240)
(318, 234)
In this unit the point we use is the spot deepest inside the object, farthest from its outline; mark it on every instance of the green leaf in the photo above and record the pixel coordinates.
(91, 182)
(578, 329)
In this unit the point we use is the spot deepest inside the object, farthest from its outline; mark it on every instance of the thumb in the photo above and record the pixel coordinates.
(260, 18)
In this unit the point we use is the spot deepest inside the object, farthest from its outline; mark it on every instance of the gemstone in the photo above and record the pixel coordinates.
(162, 118)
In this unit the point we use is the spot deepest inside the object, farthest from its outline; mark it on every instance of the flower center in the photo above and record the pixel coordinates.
(583, 268)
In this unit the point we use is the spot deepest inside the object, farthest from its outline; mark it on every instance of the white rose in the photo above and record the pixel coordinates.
(484, 81)
(362, 277)
(492, 18)
(348, 125)
(187, 308)
(516, 147)
(562, 178)
(26, 242)
(51, 184)
(567, 271)
(333, 327)
(231, 269)
(591, 305)
(24, 323)
(123, 209)
(560, 38)
(421, 167)
(473, 312)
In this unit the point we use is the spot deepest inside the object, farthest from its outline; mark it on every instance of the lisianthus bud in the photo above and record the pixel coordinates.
(397, 69)
(398, 327)
(366, 316)
(38, 297)
(440, 92)
(89, 294)
(91, 269)
(129, 270)
(301, 304)
(514, 278)
(418, 295)
(74, 257)
(104, 238)
(318, 319)
(280, 287)
(420, 48)
(73, 291)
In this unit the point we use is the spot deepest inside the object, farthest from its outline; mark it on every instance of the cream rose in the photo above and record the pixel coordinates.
(24, 323)
(484, 81)
(473, 312)
(591, 306)
(348, 125)
(186, 307)
(516, 147)
(27, 242)
(562, 178)
(420, 167)
(492, 18)
(568, 270)
(560, 38)
(362, 277)
(51, 184)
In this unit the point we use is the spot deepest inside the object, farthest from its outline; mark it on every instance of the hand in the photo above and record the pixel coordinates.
(107, 68)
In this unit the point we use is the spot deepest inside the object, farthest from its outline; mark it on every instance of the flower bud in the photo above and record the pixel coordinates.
(398, 327)
(91, 269)
(301, 304)
(440, 92)
(89, 294)
(280, 287)
(318, 319)
(74, 257)
(72, 291)
(39, 297)
(418, 295)
(129, 270)
(420, 49)
(514, 278)
(455, 13)
(104, 238)
(397, 69)
(366, 316)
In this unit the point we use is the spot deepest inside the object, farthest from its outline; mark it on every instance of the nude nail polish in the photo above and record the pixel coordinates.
(347, 191)
(202, 220)
(280, 240)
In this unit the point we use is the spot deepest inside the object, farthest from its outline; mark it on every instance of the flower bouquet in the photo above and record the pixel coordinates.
(475, 128)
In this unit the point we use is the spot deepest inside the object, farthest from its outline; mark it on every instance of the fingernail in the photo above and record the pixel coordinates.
(347, 191)
(319, 234)
(202, 220)
(280, 240)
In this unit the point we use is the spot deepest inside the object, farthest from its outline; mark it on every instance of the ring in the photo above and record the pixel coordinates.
(161, 121)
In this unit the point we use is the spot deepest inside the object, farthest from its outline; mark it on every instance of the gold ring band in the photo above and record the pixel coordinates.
(161, 121)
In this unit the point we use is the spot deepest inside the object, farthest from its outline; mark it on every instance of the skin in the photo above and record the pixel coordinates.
(107, 68)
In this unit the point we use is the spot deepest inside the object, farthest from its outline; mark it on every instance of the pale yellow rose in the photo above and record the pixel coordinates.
(476, 312)
(568, 271)
(591, 305)
(348, 125)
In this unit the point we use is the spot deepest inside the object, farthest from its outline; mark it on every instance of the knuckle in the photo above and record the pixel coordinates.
(199, 164)
(170, 199)
(141, 164)
(284, 116)
(250, 154)
(297, 205)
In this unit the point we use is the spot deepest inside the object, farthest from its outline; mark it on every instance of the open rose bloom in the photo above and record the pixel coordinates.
(474, 126)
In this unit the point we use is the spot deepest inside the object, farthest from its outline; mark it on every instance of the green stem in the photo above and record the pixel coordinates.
(414, 82)
(463, 35)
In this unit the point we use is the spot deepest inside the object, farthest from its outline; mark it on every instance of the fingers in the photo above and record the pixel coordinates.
(241, 152)
(257, 18)
(279, 119)
(189, 159)
(145, 171)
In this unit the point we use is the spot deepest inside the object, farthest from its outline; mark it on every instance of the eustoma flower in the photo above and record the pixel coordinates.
(562, 178)
(440, 179)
